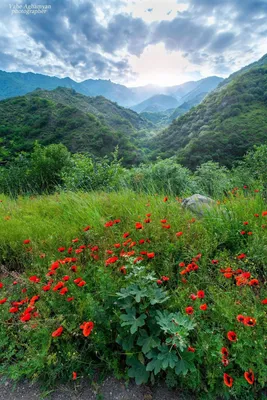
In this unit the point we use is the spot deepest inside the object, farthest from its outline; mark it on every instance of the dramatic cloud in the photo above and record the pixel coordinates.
(111, 39)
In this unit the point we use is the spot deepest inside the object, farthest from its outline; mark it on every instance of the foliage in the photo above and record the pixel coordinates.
(223, 127)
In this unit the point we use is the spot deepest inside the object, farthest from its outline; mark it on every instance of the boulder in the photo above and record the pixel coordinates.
(198, 204)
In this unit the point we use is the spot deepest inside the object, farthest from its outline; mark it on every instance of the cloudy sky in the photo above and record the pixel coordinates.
(163, 42)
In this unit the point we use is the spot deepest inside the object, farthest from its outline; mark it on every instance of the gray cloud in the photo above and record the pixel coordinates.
(70, 39)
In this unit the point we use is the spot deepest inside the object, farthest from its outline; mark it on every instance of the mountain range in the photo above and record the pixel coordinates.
(14, 84)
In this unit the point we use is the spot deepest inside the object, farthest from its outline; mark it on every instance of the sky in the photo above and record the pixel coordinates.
(140, 42)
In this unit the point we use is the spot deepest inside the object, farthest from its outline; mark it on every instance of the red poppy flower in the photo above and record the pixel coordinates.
(13, 310)
(148, 215)
(117, 245)
(250, 233)
(264, 213)
(224, 351)
(225, 361)
(249, 321)
(193, 296)
(215, 261)
(46, 288)
(166, 226)
(138, 225)
(74, 375)
(108, 224)
(264, 301)
(242, 232)
(1, 285)
(249, 376)
(147, 221)
(203, 307)
(228, 380)
(58, 286)
(70, 299)
(86, 228)
(165, 199)
(34, 299)
(159, 282)
(3, 301)
(150, 255)
(25, 317)
(256, 215)
(179, 234)
(253, 282)
(73, 268)
(111, 260)
(182, 264)
(64, 291)
(61, 249)
(141, 241)
(165, 278)
(245, 223)
(240, 318)
(192, 349)
(125, 235)
(87, 328)
(123, 270)
(163, 221)
(201, 294)
(65, 278)
(231, 335)
(241, 256)
(34, 279)
(26, 241)
(189, 310)
(57, 332)
(81, 284)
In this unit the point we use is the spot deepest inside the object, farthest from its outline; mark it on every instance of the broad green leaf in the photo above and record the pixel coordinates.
(137, 371)
(131, 320)
(168, 357)
(147, 342)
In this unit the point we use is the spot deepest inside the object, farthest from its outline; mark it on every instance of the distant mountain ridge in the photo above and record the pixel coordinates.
(157, 103)
(14, 84)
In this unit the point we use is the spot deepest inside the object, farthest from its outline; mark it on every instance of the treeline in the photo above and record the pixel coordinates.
(53, 168)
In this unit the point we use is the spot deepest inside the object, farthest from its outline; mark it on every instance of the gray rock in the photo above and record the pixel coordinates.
(198, 204)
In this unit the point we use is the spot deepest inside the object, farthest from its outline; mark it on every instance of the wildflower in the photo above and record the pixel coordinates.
(148, 215)
(64, 291)
(249, 376)
(241, 256)
(256, 215)
(249, 321)
(214, 262)
(3, 301)
(73, 268)
(111, 260)
(224, 352)
(253, 282)
(1, 285)
(75, 240)
(138, 225)
(25, 317)
(181, 264)
(150, 255)
(77, 280)
(193, 297)
(264, 213)
(245, 223)
(201, 294)
(87, 328)
(117, 245)
(231, 335)
(192, 349)
(250, 233)
(26, 241)
(228, 380)
(61, 249)
(225, 362)
(242, 232)
(159, 282)
(34, 299)
(34, 279)
(163, 221)
(74, 375)
(240, 318)
(123, 270)
(46, 288)
(166, 226)
(147, 221)
(65, 278)
(57, 332)
(86, 228)
(125, 235)
(165, 278)
(203, 307)
(58, 286)
(189, 310)
(70, 299)
(108, 224)
(264, 301)
(165, 199)
(13, 310)
(178, 234)
(82, 283)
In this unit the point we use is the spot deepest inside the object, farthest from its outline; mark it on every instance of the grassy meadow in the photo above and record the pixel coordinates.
(135, 285)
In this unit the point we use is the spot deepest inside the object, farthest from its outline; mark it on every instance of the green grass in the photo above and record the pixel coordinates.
(54, 221)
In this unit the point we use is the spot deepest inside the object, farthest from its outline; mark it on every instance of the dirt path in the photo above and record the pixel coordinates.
(110, 389)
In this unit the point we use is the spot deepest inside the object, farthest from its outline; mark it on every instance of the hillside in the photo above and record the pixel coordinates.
(186, 106)
(83, 124)
(224, 126)
(156, 103)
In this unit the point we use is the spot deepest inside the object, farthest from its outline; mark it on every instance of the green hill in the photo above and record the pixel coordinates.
(224, 126)
(83, 124)
(156, 103)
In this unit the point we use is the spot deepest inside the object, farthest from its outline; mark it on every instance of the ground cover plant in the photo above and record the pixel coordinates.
(132, 284)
